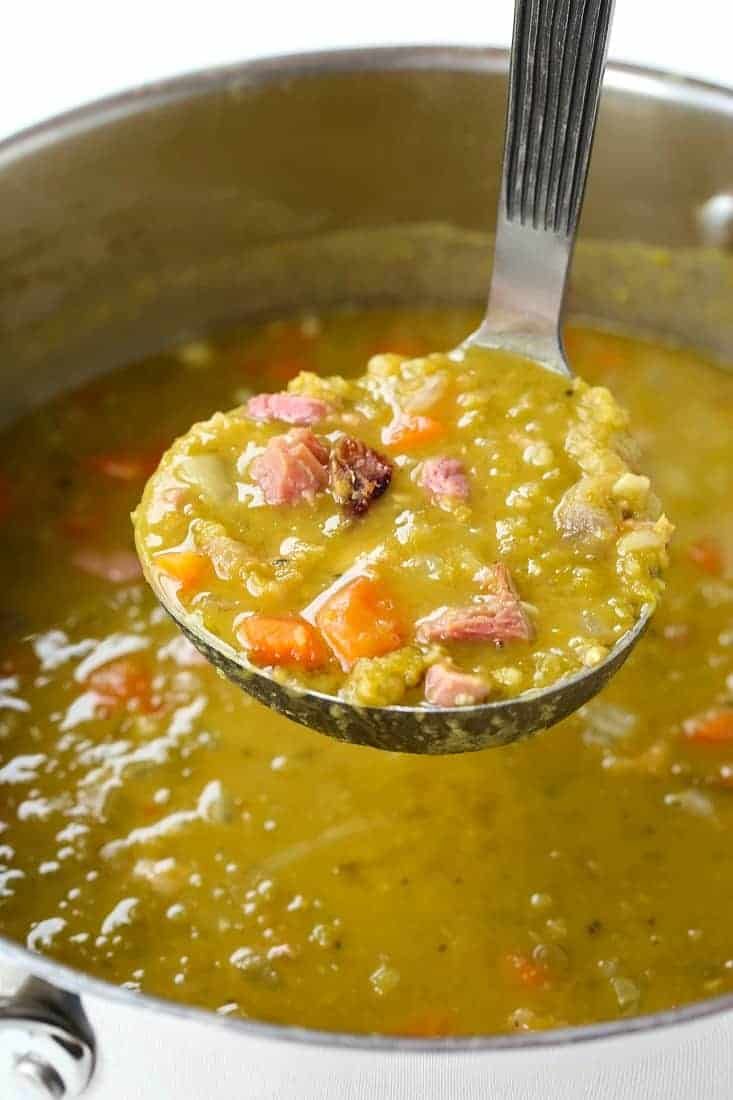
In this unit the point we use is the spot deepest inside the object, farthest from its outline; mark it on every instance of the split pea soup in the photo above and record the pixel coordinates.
(162, 831)
(441, 530)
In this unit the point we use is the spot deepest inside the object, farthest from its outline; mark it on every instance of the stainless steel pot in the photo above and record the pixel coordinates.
(365, 175)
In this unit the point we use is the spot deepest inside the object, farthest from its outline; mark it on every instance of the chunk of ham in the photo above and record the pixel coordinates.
(497, 617)
(292, 408)
(580, 516)
(445, 479)
(358, 474)
(291, 468)
(445, 686)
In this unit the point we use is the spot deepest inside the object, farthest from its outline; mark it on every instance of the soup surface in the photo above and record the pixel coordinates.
(161, 830)
(441, 529)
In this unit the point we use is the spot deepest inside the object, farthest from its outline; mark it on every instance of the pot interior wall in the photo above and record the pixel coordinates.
(258, 189)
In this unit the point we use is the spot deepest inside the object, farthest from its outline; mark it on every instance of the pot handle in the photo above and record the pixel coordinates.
(47, 1047)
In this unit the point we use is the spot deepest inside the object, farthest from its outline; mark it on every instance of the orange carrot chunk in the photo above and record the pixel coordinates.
(186, 566)
(361, 620)
(286, 641)
(521, 969)
(125, 682)
(284, 369)
(716, 727)
(409, 433)
(707, 554)
(395, 343)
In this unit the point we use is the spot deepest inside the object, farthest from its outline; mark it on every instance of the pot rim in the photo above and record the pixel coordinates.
(653, 82)
(644, 81)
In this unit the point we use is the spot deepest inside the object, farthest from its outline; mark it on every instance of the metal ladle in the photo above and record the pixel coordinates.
(557, 63)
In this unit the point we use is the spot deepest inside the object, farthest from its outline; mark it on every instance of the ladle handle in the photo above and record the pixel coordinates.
(557, 62)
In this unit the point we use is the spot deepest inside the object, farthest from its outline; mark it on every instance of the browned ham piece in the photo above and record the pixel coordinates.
(445, 686)
(445, 478)
(293, 408)
(358, 474)
(497, 617)
(291, 468)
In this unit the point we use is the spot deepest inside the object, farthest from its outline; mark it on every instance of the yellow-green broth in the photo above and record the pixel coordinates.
(160, 829)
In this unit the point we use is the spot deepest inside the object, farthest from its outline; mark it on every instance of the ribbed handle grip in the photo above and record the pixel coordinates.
(558, 58)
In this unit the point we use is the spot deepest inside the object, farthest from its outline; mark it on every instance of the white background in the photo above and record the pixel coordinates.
(55, 54)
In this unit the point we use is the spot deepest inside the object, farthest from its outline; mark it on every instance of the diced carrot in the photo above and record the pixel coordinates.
(707, 554)
(186, 566)
(286, 641)
(392, 343)
(426, 1025)
(361, 620)
(523, 970)
(126, 465)
(284, 369)
(409, 433)
(124, 682)
(713, 728)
